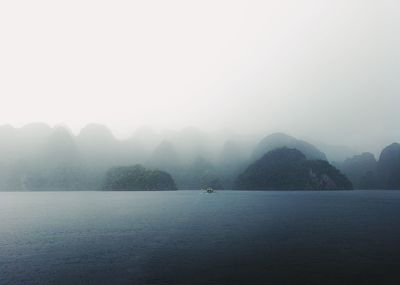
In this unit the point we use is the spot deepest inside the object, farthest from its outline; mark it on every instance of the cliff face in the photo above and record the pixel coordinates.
(138, 178)
(289, 169)
(389, 167)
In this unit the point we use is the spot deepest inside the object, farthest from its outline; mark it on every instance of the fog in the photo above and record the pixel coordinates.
(324, 71)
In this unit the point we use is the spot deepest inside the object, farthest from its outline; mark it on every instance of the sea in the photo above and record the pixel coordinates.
(192, 237)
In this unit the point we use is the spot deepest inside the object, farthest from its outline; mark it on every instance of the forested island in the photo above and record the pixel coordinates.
(128, 178)
(289, 169)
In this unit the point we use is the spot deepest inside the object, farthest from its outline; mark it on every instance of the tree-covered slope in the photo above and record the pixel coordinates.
(289, 169)
(138, 178)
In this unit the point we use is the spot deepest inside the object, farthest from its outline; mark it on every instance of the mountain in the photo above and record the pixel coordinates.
(96, 133)
(199, 174)
(361, 170)
(231, 155)
(335, 153)
(389, 167)
(138, 178)
(146, 137)
(278, 140)
(39, 157)
(232, 162)
(98, 146)
(9, 156)
(61, 145)
(58, 166)
(133, 152)
(8, 140)
(192, 143)
(289, 169)
(165, 157)
(99, 151)
(34, 132)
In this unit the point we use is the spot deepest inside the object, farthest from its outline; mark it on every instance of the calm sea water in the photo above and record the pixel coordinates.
(188, 237)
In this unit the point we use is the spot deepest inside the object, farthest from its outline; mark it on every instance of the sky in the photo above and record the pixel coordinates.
(326, 70)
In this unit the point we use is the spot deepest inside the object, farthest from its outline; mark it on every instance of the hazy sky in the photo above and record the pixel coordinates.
(322, 69)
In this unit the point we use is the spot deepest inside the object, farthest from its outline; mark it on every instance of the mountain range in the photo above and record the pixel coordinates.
(40, 157)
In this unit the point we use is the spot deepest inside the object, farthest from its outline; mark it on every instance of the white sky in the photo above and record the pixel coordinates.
(323, 69)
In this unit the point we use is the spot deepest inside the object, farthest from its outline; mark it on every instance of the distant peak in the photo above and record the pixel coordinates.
(36, 125)
(285, 153)
(394, 145)
(96, 130)
(61, 130)
(278, 140)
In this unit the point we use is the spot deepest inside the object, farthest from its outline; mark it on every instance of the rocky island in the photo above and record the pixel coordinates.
(128, 178)
(289, 169)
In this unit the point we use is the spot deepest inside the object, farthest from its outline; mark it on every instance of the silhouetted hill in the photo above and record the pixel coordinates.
(8, 143)
(133, 151)
(389, 167)
(231, 155)
(199, 174)
(232, 162)
(93, 133)
(40, 157)
(61, 146)
(289, 169)
(35, 131)
(279, 140)
(58, 165)
(146, 137)
(335, 153)
(361, 170)
(99, 150)
(165, 157)
(192, 143)
(136, 177)
(98, 146)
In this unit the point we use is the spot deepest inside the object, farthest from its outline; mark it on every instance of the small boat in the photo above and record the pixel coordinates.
(210, 190)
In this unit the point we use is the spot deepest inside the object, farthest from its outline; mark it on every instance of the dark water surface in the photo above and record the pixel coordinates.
(188, 237)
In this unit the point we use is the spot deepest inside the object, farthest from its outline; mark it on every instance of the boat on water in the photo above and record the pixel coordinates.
(209, 190)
